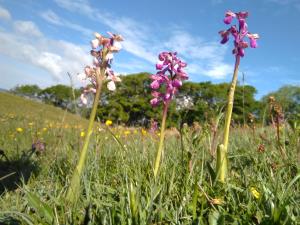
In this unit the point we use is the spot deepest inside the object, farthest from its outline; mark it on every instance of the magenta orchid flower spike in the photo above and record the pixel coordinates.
(238, 33)
(170, 74)
(165, 84)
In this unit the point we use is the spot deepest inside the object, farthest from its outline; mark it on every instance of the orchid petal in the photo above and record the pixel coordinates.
(95, 43)
(253, 43)
(111, 86)
(83, 99)
(228, 19)
(155, 84)
(159, 66)
(154, 102)
(109, 56)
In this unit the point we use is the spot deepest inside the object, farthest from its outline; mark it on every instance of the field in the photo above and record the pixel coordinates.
(118, 185)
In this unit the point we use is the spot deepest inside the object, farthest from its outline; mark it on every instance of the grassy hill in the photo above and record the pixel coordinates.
(16, 106)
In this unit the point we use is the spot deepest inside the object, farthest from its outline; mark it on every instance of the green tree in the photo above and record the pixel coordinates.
(27, 90)
(59, 95)
(130, 103)
(289, 98)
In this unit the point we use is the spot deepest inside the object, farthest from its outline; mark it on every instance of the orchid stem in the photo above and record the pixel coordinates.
(74, 188)
(161, 141)
(223, 148)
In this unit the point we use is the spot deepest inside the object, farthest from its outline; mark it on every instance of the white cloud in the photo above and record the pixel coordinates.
(287, 3)
(284, 2)
(216, 70)
(53, 18)
(194, 47)
(4, 14)
(206, 58)
(133, 66)
(51, 62)
(27, 28)
(56, 57)
(79, 6)
(136, 41)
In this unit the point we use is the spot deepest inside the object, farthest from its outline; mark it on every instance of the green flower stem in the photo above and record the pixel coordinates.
(223, 148)
(161, 141)
(74, 188)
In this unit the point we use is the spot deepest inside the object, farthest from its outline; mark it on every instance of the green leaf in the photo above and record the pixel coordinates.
(211, 171)
(213, 218)
(43, 210)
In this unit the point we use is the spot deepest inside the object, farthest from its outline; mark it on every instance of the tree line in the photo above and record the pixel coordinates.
(196, 102)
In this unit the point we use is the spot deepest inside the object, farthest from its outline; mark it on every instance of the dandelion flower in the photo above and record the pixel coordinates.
(127, 132)
(144, 132)
(255, 193)
(19, 130)
(108, 123)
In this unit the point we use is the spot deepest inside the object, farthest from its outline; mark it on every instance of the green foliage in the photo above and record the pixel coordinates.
(289, 98)
(210, 98)
(27, 90)
(59, 93)
(118, 185)
(130, 103)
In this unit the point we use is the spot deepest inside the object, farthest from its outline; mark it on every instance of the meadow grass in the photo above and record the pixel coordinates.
(118, 183)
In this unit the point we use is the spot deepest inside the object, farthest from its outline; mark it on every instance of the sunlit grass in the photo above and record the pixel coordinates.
(119, 188)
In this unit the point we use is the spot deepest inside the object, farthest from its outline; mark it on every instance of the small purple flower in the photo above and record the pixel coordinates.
(38, 147)
(170, 75)
(155, 84)
(229, 16)
(153, 126)
(238, 34)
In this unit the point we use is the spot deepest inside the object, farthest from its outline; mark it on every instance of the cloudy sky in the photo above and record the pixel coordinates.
(40, 41)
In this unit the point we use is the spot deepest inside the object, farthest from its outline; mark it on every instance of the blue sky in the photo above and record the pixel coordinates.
(40, 41)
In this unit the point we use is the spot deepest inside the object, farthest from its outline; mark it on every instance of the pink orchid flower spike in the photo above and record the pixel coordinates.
(103, 49)
(238, 32)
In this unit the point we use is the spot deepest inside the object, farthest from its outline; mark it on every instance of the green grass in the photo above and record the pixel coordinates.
(118, 184)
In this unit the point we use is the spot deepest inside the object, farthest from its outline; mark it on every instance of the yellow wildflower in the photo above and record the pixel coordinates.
(108, 122)
(217, 201)
(144, 132)
(255, 193)
(82, 134)
(127, 132)
(19, 129)
(44, 129)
